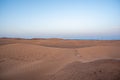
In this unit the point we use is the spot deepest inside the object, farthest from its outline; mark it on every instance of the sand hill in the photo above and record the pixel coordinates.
(59, 59)
(97, 70)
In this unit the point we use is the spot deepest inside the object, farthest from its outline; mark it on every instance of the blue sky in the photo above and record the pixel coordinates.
(70, 19)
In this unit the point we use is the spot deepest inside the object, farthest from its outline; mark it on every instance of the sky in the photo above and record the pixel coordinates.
(69, 19)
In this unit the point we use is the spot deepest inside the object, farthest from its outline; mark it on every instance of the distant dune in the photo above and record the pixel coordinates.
(59, 59)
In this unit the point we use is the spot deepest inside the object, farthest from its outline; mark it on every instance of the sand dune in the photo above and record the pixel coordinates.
(61, 43)
(27, 55)
(99, 52)
(58, 59)
(97, 70)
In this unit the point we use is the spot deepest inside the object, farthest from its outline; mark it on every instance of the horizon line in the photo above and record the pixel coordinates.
(54, 38)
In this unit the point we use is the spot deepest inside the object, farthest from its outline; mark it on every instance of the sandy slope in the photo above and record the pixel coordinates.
(98, 52)
(97, 70)
(29, 57)
(51, 59)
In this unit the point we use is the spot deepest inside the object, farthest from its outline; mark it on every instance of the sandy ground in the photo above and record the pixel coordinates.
(59, 59)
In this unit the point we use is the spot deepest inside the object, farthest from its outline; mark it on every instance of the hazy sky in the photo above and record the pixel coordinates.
(77, 19)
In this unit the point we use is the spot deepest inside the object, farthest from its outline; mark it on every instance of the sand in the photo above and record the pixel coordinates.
(59, 59)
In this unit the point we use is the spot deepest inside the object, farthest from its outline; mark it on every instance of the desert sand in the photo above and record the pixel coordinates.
(59, 59)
